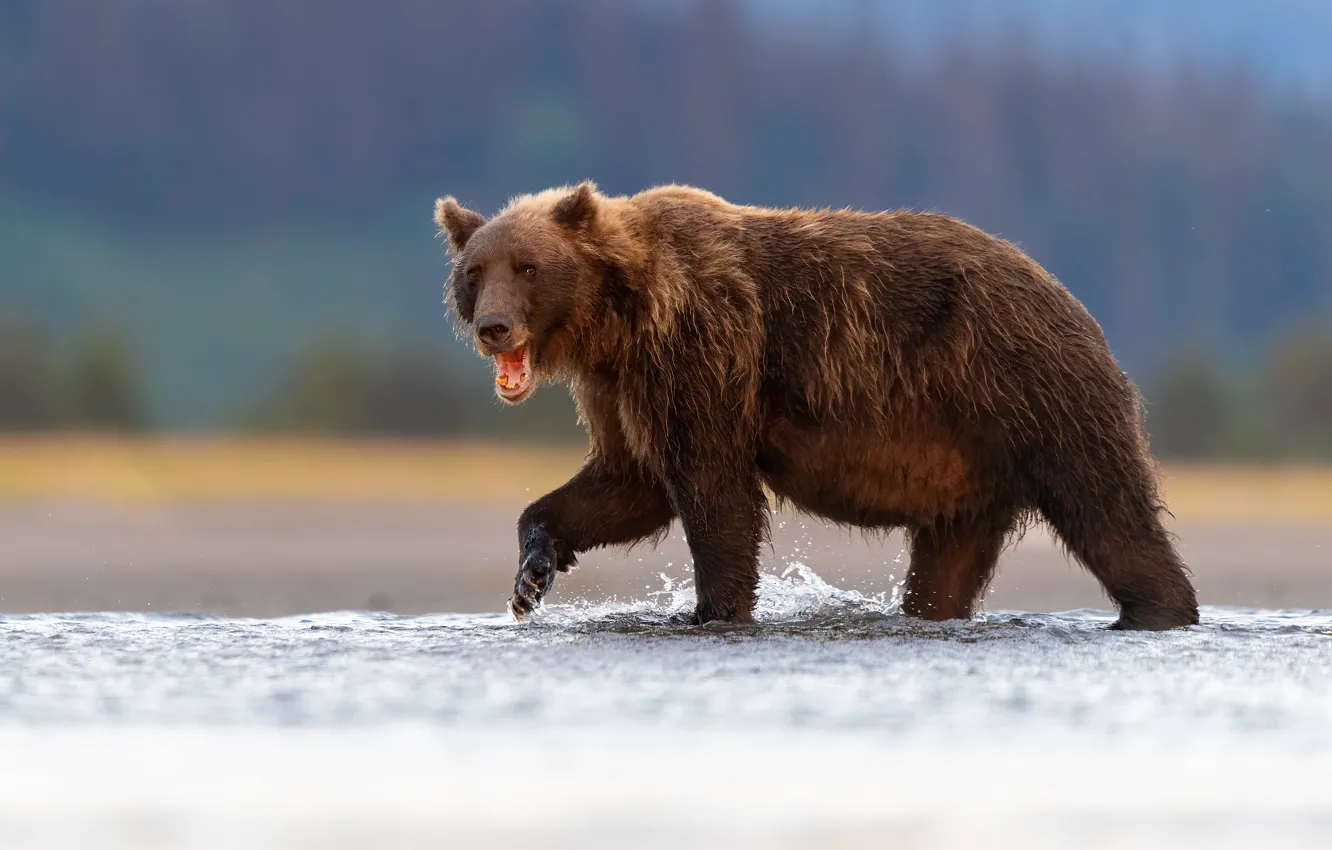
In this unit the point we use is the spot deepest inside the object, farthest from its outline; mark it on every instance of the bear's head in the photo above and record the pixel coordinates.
(521, 282)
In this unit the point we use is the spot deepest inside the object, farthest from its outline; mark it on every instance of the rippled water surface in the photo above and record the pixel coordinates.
(832, 722)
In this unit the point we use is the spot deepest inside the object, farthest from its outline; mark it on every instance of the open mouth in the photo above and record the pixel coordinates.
(513, 376)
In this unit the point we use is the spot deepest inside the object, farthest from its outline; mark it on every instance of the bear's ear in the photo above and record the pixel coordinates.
(457, 221)
(577, 209)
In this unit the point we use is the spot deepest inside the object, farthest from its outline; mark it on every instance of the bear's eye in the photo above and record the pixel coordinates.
(527, 269)
(473, 273)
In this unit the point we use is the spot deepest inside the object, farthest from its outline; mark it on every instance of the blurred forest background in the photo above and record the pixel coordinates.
(215, 216)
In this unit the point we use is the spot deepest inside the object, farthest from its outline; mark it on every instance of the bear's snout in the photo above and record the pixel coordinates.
(495, 333)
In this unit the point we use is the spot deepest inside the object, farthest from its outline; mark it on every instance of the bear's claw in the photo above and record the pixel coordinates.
(536, 576)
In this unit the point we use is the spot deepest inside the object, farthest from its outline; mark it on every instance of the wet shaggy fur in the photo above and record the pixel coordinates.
(880, 370)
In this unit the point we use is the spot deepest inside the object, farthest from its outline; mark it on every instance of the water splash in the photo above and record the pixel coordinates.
(796, 598)
(799, 593)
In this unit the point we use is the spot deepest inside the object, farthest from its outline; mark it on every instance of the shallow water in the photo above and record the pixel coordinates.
(832, 722)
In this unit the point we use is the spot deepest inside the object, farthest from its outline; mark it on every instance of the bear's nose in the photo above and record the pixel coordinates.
(493, 330)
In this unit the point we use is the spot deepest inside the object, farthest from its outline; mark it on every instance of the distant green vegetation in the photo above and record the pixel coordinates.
(91, 382)
(341, 384)
(1282, 409)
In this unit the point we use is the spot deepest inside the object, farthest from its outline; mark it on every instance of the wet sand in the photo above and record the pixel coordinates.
(265, 558)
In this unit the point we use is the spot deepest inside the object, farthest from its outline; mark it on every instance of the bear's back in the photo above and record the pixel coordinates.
(855, 306)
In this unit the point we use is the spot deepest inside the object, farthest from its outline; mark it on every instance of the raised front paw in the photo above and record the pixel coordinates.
(539, 561)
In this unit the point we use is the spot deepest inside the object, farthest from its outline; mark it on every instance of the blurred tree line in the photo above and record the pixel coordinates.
(91, 382)
(1282, 409)
(345, 386)
(338, 385)
(1184, 207)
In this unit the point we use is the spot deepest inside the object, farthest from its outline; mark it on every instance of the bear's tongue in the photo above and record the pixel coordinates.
(514, 374)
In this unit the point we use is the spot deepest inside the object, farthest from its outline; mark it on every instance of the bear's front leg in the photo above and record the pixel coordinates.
(605, 504)
(540, 557)
(724, 514)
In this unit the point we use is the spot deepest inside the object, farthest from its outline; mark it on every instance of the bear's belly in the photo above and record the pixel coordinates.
(866, 478)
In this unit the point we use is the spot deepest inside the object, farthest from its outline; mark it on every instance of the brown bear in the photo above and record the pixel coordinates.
(880, 370)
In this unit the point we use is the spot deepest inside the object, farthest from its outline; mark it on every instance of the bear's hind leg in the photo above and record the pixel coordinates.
(1112, 525)
(1134, 561)
(952, 561)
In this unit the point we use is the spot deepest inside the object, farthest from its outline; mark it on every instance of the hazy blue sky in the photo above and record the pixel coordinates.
(1285, 41)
